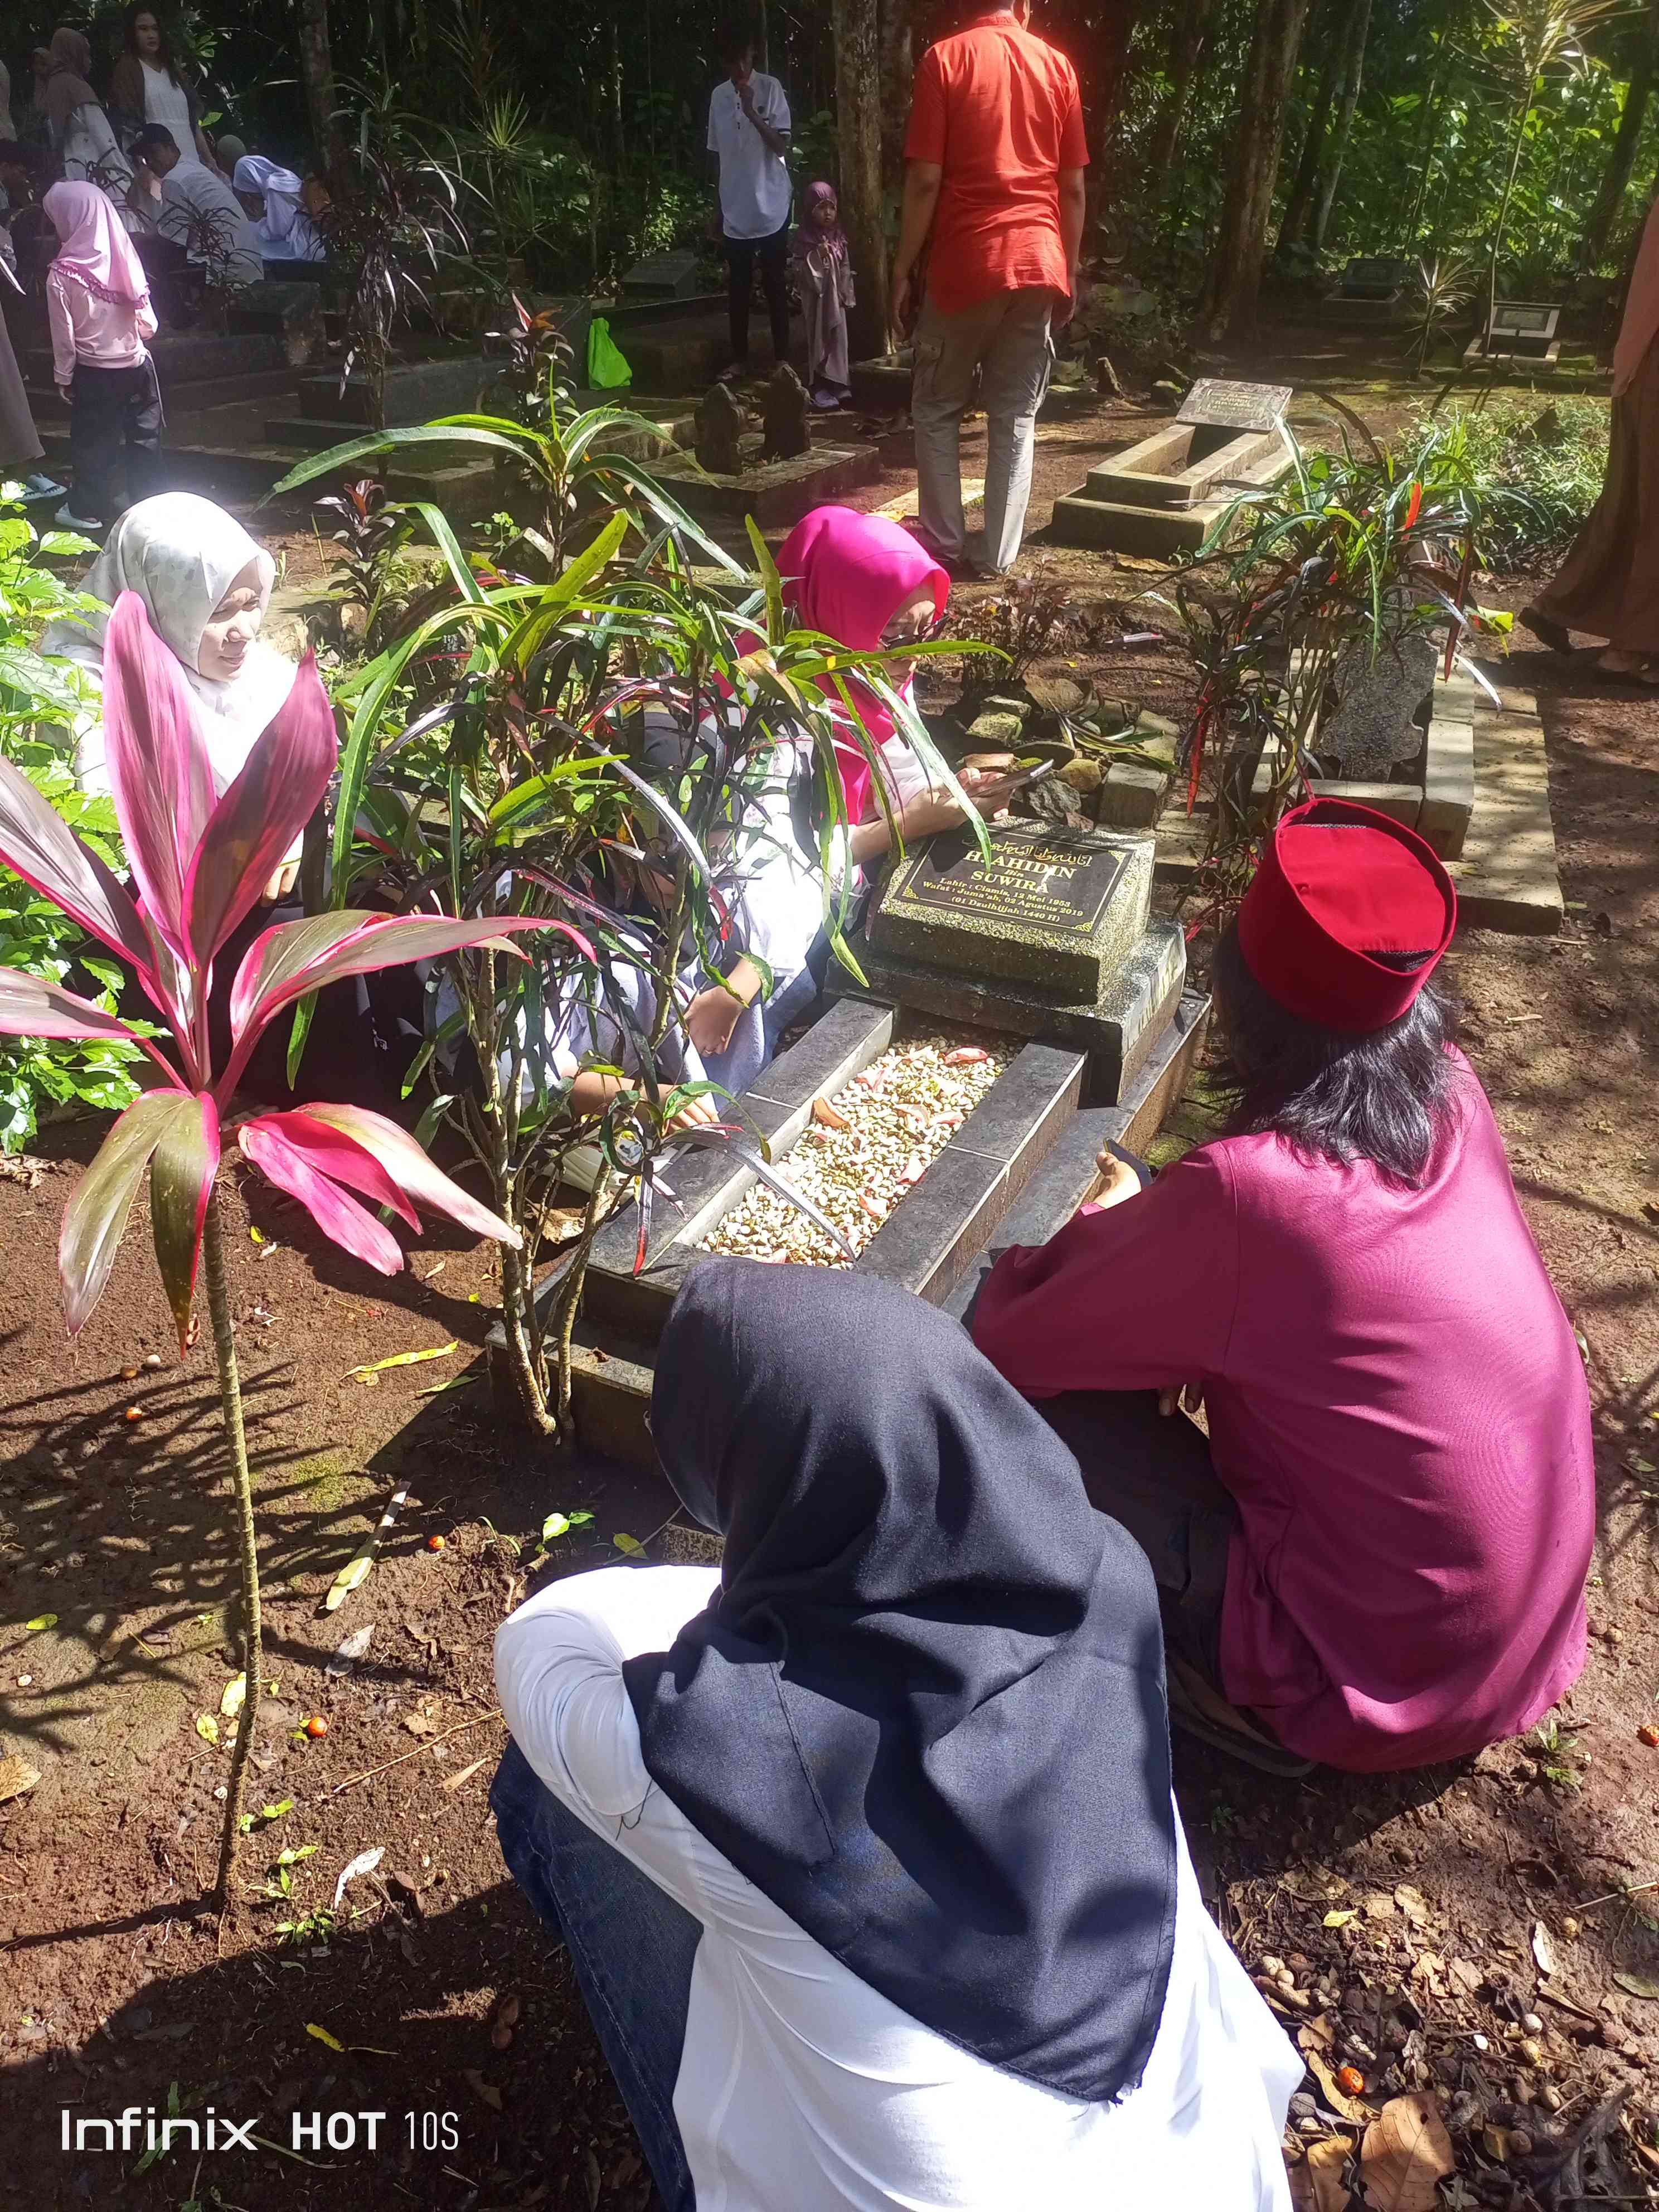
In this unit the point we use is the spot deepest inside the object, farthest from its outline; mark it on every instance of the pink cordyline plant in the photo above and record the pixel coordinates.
(199, 866)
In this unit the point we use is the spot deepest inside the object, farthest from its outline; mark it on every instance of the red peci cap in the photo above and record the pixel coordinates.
(1337, 886)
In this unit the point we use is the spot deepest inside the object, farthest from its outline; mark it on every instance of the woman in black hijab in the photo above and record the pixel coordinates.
(902, 1768)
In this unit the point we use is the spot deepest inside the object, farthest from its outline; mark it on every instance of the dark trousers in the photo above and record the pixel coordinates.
(1151, 1473)
(772, 253)
(110, 408)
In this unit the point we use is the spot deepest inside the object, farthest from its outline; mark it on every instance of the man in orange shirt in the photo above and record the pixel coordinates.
(996, 152)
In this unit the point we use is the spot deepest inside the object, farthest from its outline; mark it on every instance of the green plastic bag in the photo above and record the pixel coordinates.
(606, 367)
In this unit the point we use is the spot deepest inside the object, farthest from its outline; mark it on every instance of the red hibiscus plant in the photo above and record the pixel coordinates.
(199, 865)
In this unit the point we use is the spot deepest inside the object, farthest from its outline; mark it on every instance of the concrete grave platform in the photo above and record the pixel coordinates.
(1163, 495)
(776, 493)
(1507, 874)
(1440, 806)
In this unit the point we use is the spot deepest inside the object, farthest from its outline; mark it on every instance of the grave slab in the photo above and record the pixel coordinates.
(415, 391)
(776, 493)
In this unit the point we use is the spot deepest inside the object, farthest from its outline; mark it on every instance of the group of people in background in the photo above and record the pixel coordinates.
(116, 209)
(987, 266)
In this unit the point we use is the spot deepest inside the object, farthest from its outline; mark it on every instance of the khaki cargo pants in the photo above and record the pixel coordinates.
(1007, 339)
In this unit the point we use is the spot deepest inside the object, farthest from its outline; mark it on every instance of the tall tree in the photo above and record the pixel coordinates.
(1353, 77)
(317, 74)
(1304, 188)
(857, 129)
(1621, 156)
(898, 62)
(1232, 294)
(1189, 37)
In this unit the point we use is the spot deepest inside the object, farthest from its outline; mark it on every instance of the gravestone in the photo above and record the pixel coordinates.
(788, 423)
(1375, 725)
(719, 433)
(1374, 293)
(1162, 497)
(662, 277)
(1220, 403)
(1518, 329)
(1376, 276)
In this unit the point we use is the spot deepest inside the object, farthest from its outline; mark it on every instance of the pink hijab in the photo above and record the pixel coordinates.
(1641, 324)
(96, 251)
(847, 575)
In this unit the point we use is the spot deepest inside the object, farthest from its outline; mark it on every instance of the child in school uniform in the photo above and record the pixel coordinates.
(99, 306)
(823, 276)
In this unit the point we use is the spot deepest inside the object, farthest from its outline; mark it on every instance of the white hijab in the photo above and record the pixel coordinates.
(286, 231)
(181, 554)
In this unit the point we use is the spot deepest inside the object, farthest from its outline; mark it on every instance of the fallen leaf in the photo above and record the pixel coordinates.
(351, 1650)
(1341, 1919)
(1352, 2108)
(323, 2036)
(630, 1546)
(234, 1698)
(365, 1862)
(454, 1781)
(487, 2090)
(41, 1621)
(418, 1724)
(1465, 1978)
(256, 1235)
(1543, 1948)
(967, 1055)
(823, 1112)
(1405, 2153)
(16, 1776)
(402, 1360)
(1413, 1903)
(1318, 2035)
(356, 1568)
(1323, 2189)
(1377, 1907)
(1638, 1985)
(1428, 1966)
(207, 1728)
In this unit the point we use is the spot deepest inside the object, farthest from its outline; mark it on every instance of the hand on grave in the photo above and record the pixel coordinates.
(282, 883)
(1170, 1401)
(694, 1113)
(710, 1019)
(1118, 1181)
(940, 809)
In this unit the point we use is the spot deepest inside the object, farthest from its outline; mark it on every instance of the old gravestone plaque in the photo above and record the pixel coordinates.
(663, 276)
(1056, 908)
(1219, 405)
(1378, 277)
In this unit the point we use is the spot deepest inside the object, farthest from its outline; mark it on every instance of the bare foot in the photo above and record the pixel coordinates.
(1625, 666)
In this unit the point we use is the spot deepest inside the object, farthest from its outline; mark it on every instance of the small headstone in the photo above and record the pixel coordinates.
(789, 416)
(718, 431)
(663, 276)
(1376, 277)
(1052, 907)
(1219, 405)
(1375, 724)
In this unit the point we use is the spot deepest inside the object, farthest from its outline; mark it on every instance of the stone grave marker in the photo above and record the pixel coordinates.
(1221, 405)
(719, 432)
(788, 419)
(1375, 724)
(663, 276)
(1518, 329)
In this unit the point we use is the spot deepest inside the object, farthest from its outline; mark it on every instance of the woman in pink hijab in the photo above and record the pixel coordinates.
(1609, 586)
(866, 582)
(98, 304)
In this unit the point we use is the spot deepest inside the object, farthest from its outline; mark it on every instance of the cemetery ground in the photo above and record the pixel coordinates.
(1465, 1929)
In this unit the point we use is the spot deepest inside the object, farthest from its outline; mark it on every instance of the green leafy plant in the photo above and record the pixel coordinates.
(199, 865)
(1540, 469)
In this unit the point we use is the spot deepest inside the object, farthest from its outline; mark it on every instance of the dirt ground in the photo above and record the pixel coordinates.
(1465, 1929)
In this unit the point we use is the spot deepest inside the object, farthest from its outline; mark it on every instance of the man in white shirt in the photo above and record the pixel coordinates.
(749, 136)
(197, 210)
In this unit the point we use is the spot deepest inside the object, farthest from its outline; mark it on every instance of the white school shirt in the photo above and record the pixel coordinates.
(200, 212)
(801, 2089)
(754, 189)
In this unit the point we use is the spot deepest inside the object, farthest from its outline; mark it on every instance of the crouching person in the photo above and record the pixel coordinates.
(862, 1844)
(1378, 1558)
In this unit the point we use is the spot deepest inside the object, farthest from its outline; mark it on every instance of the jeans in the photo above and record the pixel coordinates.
(774, 256)
(1006, 338)
(631, 1946)
(111, 408)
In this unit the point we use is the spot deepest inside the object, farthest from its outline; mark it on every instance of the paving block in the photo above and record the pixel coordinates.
(1448, 786)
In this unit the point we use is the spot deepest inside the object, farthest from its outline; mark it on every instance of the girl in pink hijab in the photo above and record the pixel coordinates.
(868, 584)
(98, 303)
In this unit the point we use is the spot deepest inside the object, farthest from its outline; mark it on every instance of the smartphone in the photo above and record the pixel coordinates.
(1023, 778)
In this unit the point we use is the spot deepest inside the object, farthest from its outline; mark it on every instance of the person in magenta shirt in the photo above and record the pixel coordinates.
(1379, 1558)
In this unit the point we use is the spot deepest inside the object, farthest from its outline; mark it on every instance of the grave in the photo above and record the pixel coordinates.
(1163, 495)
(881, 386)
(1517, 330)
(778, 491)
(662, 277)
(1375, 294)
(1041, 970)
(332, 411)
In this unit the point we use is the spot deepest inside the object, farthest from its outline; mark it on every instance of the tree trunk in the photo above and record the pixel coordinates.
(317, 74)
(1294, 221)
(1423, 160)
(1353, 78)
(898, 62)
(230, 1402)
(613, 92)
(1232, 295)
(1621, 158)
(1189, 35)
(857, 115)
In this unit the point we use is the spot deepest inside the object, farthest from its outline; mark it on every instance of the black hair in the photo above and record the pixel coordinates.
(164, 56)
(35, 162)
(738, 36)
(1387, 1095)
(154, 134)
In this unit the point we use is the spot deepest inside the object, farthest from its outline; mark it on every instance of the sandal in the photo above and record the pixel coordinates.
(1199, 1710)
(1621, 666)
(1547, 632)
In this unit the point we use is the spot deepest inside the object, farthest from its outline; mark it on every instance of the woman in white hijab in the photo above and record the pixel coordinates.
(205, 585)
(271, 195)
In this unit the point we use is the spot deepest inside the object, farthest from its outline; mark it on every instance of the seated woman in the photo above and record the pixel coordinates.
(909, 1919)
(270, 197)
(206, 585)
(1379, 1560)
